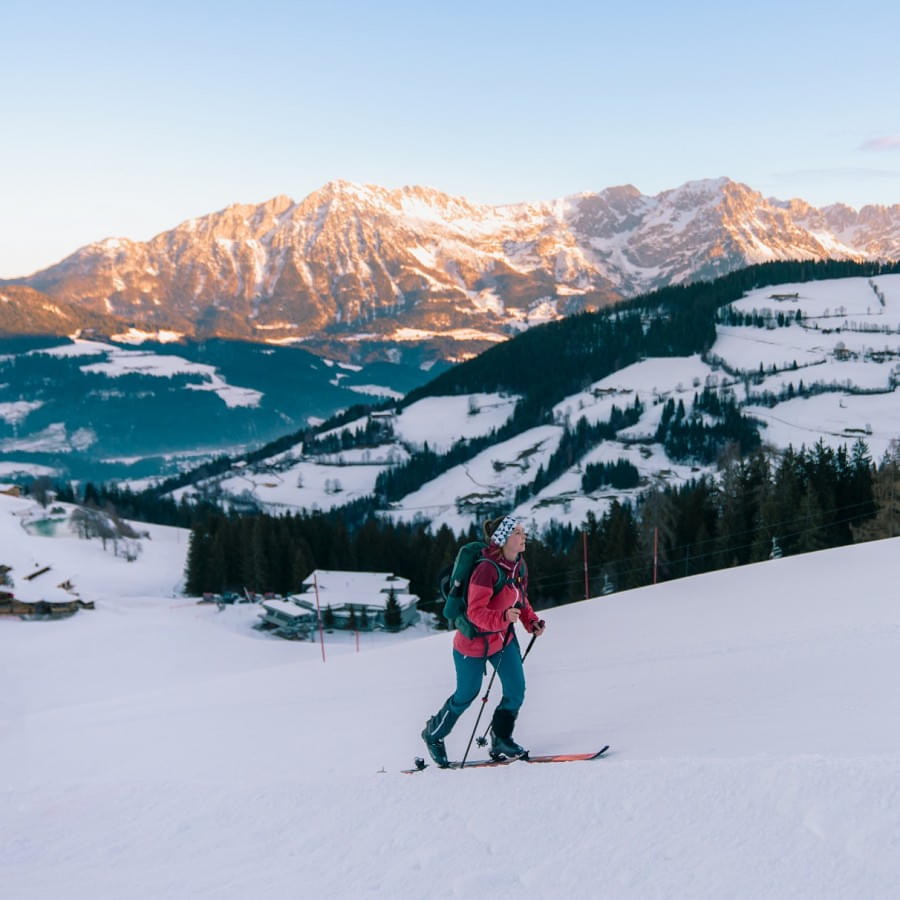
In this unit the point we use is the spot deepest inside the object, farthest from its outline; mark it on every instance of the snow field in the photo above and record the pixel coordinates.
(744, 349)
(748, 828)
(15, 413)
(836, 299)
(564, 498)
(835, 418)
(155, 748)
(309, 485)
(442, 421)
(94, 572)
(492, 474)
(121, 362)
(861, 375)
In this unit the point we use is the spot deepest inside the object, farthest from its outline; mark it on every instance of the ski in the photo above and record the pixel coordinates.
(421, 765)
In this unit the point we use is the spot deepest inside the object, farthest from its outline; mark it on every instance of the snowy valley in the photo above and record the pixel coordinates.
(98, 410)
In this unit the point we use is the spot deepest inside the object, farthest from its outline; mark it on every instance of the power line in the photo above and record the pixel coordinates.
(557, 580)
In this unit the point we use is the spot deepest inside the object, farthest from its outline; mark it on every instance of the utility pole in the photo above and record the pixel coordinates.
(584, 545)
(319, 614)
(655, 552)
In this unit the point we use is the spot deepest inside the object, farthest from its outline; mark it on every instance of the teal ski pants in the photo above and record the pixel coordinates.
(470, 670)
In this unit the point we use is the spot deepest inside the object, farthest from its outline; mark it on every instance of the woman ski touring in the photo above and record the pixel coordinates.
(496, 599)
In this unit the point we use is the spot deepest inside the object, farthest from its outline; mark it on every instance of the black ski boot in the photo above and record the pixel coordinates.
(436, 729)
(502, 743)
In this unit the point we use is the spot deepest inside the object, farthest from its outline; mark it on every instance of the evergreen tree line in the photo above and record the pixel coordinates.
(692, 438)
(142, 506)
(373, 434)
(807, 499)
(755, 319)
(789, 392)
(621, 474)
(577, 441)
(552, 361)
(264, 553)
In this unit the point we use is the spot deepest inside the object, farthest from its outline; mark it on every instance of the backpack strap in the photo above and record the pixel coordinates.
(521, 572)
(500, 580)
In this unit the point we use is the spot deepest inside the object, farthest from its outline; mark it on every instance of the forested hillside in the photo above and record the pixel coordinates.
(548, 362)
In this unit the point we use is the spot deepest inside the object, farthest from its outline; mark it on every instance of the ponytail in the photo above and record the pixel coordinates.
(490, 526)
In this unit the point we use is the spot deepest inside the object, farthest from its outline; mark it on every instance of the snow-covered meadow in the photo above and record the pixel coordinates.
(155, 748)
(303, 484)
(115, 362)
(441, 421)
(489, 477)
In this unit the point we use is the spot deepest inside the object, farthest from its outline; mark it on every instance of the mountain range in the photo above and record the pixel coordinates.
(378, 270)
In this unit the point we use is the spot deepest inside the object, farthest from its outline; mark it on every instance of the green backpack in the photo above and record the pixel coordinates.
(454, 585)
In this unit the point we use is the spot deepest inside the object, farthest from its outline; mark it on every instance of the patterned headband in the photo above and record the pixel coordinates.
(504, 530)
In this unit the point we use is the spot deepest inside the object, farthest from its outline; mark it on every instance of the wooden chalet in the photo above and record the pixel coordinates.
(359, 597)
(287, 619)
(347, 600)
(36, 610)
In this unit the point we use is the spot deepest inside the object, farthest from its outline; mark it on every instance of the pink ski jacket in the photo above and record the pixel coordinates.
(486, 610)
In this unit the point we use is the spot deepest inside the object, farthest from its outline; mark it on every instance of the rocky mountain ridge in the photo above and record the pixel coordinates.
(365, 265)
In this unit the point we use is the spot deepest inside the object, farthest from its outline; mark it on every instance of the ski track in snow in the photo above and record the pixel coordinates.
(745, 828)
(155, 748)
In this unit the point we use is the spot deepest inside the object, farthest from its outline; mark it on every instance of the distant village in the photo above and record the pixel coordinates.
(326, 600)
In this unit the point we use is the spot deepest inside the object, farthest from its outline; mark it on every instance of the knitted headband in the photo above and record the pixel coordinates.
(504, 530)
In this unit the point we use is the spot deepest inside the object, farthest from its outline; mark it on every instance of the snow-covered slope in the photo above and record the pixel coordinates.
(155, 749)
(33, 538)
(813, 361)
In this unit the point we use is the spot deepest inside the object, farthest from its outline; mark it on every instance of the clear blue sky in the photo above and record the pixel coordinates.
(124, 119)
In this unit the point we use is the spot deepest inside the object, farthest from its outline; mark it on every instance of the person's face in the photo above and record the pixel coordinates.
(515, 543)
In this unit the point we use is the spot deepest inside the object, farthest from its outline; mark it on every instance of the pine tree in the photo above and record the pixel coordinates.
(91, 495)
(657, 530)
(812, 532)
(300, 568)
(217, 578)
(393, 615)
(621, 551)
(259, 555)
(197, 557)
(886, 494)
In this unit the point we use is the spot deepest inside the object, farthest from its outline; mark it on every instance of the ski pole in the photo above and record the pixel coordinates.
(482, 741)
(528, 648)
(484, 699)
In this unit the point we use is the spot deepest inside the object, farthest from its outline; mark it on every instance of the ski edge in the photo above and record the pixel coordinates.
(567, 757)
(421, 765)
